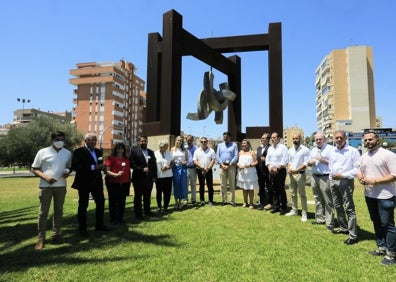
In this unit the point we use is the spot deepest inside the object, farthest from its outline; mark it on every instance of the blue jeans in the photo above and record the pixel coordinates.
(382, 216)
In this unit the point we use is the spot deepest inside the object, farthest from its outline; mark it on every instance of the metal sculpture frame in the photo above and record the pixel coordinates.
(162, 115)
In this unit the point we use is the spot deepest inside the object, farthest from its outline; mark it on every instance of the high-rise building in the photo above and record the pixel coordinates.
(345, 98)
(109, 101)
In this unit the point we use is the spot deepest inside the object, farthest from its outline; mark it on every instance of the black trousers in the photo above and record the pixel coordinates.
(278, 184)
(142, 189)
(265, 189)
(83, 200)
(117, 197)
(164, 187)
(208, 176)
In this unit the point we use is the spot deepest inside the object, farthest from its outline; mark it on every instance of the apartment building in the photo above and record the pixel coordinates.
(28, 115)
(345, 98)
(109, 101)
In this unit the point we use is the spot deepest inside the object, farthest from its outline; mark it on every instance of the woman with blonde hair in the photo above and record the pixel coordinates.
(179, 169)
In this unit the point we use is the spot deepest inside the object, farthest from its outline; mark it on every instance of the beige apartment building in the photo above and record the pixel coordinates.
(109, 101)
(345, 98)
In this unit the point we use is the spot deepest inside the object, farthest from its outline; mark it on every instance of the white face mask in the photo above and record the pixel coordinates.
(58, 144)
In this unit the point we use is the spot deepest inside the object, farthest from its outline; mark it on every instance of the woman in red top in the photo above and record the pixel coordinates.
(118, 175)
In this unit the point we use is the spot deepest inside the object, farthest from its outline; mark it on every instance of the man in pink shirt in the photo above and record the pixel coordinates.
(378, 175)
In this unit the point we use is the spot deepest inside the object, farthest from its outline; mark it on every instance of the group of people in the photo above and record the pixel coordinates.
(333, 171)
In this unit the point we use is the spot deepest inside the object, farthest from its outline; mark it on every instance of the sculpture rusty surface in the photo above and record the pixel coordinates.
(162, 114)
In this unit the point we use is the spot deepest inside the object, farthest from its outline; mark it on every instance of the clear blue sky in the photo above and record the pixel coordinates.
(42, 40)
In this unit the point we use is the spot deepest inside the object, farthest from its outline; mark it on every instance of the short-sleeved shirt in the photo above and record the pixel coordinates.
(204, 157)
(378, 164)
(53, 163)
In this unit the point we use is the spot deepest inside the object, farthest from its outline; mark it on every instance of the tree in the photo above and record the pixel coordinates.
(23, 141)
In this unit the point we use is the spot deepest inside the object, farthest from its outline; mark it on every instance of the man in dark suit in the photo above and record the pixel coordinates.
(88, 163)
(265, 189)
(144, 173)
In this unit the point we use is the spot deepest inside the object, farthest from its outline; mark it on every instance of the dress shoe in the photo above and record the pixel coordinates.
(233, 204)
(260, 207)
(330, 227)
(149, 213)
(102, 228)
(39, 245)
(340, 231)
(83, 233)
(350, 241)
(57, 239)
(282, 212)
(275, 210)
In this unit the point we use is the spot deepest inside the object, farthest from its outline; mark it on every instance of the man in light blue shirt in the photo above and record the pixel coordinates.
(227, 157)
(191, 168)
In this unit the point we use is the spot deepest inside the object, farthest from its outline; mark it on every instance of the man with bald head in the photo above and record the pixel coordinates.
(320, 183)
(298, 160)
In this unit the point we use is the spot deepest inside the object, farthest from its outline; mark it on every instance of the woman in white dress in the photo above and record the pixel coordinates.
(247, 174)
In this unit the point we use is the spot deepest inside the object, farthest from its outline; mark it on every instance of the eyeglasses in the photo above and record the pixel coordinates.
(204, 141)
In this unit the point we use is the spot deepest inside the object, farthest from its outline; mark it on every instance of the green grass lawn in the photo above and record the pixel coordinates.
(206, 244)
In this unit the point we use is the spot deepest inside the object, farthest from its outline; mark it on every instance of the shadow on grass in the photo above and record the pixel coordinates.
(17, 248)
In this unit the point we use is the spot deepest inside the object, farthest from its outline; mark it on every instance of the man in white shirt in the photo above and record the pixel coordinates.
(204, 159)
(52, 165)
(298, 159)
(343, 168)
(320, 182)
(276, 161)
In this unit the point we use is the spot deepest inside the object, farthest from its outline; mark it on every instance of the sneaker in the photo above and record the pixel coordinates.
(39, 245)
(176, 206)
(292, 213)
(210, 204)
(202, 203)
(245, 205)
(388, 261)
(251, 206)
(377, 253)
(304, 217)
(233, 204)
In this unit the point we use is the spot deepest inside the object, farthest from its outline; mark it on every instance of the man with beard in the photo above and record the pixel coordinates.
(298, 159)
(144, 174)
(378, 174)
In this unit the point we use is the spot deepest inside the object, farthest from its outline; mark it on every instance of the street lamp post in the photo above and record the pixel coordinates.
(23, 101)
(101, 136)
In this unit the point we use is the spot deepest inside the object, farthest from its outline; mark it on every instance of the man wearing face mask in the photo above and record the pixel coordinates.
(52, 165)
